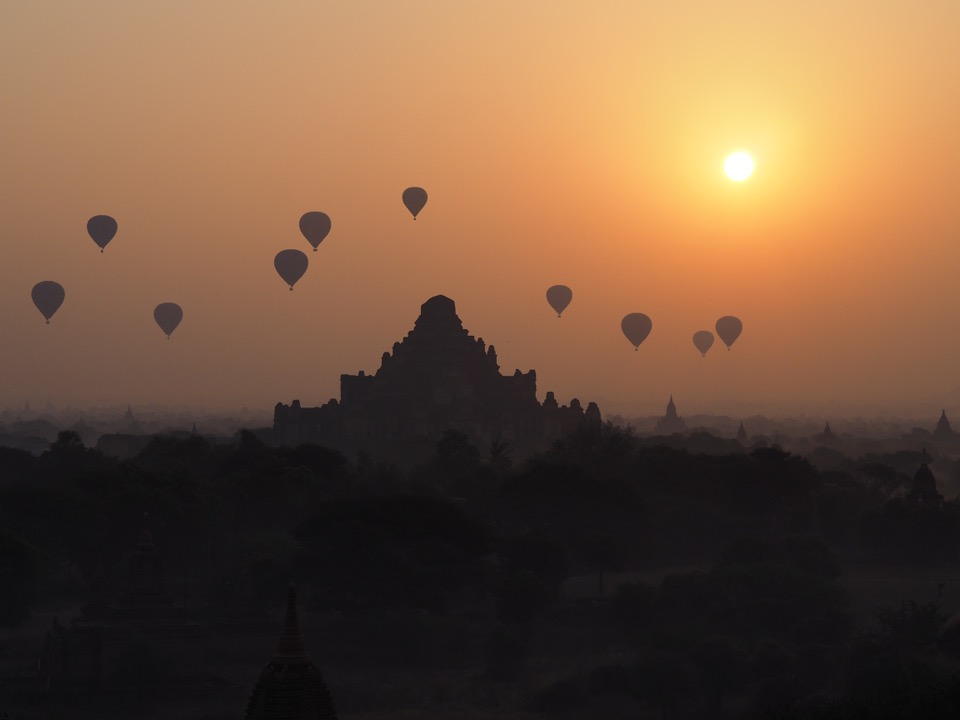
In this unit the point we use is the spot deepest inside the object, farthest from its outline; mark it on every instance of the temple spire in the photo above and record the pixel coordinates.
(290, 686)
(943, 431)
(742, 434)
(291, 643)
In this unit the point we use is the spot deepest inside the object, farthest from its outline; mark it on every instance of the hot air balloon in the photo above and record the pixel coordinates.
(48, 297)
(729, 329)
(414, 198)
(703, 341)
(559, 296)
(102, 228)
(636, 326)
(168, 316)
(291, 265)
(315, 226)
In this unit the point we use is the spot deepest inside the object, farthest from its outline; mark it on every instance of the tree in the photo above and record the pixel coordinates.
(455, 452)
(19, 575)
(603, 553)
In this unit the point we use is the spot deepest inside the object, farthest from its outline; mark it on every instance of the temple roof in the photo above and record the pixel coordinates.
(439, 306)
(290, 687)
(291, 645)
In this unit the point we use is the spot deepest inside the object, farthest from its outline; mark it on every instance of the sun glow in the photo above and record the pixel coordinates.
(738, 166)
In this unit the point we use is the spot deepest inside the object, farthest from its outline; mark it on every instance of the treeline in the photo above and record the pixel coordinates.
(466, 562)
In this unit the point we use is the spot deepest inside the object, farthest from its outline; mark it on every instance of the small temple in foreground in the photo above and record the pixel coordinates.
(438, 378)
(291, 687)
(98, 649)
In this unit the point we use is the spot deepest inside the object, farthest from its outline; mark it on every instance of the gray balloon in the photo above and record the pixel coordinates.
(636, 326)
(414, 198)
(729, 329)
(168, 316)
(291, 265)
(315, 226)
(559, 296)
(48, 297)
(703, 341)
(102, 228)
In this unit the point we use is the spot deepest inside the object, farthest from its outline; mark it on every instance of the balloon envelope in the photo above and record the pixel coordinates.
(636, 326)
(102, 228)
(315, 226)
(729, 329)
(559, 296)
(703, 341)
(168, 316)
(291, 265)
(414, 198)
(48, 297)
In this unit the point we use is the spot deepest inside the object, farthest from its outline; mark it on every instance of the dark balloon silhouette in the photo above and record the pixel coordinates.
(414, 198)
(315, 226)
(48, 297)
(729, 329)
(636, 326)
(703, 341)
(291, 265)
(102, 228)
(559, 296)
(168, 316)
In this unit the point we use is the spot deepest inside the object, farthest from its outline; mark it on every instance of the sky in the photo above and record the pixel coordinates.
(560, 142)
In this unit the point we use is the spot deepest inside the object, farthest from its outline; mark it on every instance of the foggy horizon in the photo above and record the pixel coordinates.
(596, 164)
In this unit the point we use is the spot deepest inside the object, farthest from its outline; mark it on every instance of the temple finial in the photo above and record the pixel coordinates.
(291, 642)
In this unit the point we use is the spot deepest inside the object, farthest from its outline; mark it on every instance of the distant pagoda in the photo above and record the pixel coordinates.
(290, 686)
(671, 422)
(742, 435)
(827, 437)
(438, 378)
(923, 489)
(943, 430)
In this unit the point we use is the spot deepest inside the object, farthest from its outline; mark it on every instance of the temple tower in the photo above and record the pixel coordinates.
(671, 422)
(290, 686)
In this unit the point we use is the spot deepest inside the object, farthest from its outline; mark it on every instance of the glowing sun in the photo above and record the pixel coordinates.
(739, 166)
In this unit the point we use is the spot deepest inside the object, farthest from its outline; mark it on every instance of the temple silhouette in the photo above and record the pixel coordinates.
(291, 686)
(671, 422)
(91, 652)
(943, 431)
(438, 378)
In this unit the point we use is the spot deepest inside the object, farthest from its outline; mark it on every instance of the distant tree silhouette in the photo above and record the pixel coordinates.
(721, 670)
(903, 532)
(455, 452)
(533, 566)
(68, 458)
(401, 550)
(322, 462)
(139, 665)
(500, 452)
(521, 595)
(68, 442)
(595, 448)
(19, 579)
(603, 552)
(539, 554)
(15, 465)
(667, 681)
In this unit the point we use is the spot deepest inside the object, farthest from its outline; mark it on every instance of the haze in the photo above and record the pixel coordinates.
(560, 143)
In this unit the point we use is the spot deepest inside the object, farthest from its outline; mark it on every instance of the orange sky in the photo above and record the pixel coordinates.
(560, 142)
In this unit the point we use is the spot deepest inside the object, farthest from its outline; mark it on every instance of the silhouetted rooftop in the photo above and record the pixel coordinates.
(290, 687)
